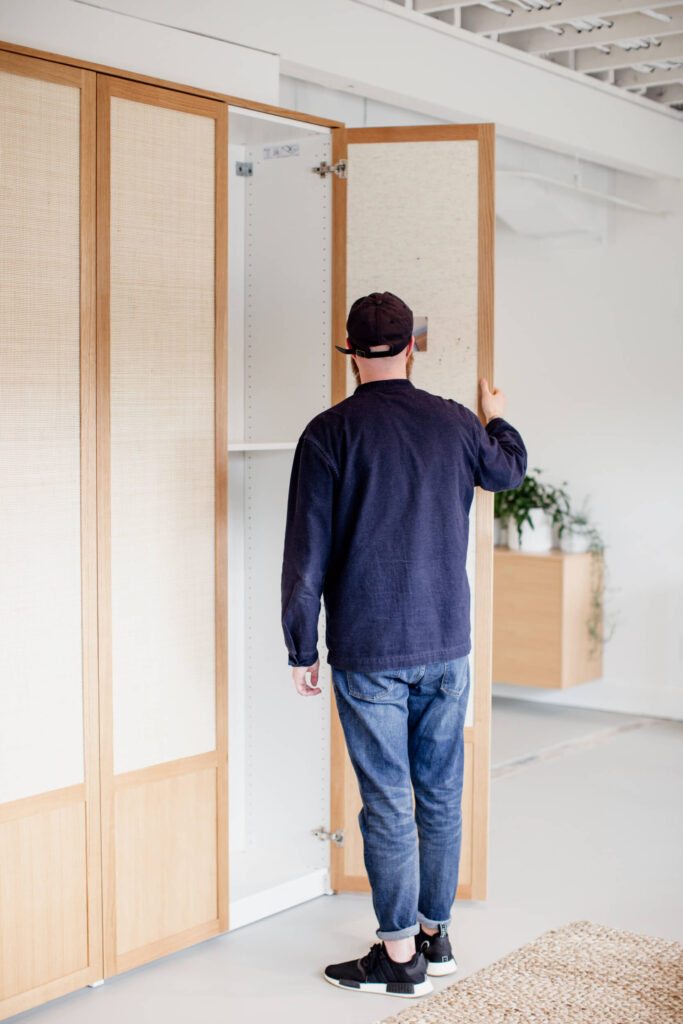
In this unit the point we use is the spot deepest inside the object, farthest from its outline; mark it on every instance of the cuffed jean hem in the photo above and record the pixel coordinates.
(402, 933)
(430, 924)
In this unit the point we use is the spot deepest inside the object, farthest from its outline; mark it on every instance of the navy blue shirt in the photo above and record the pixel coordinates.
(377, 522)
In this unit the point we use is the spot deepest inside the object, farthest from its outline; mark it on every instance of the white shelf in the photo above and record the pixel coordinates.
(260, 446)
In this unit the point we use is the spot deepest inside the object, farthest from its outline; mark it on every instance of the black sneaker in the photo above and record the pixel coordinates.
(377, 972)
(437, 951)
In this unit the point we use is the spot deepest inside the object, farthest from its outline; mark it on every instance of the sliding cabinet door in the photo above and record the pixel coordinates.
(162, 494)
(50, 888)
(415, 216)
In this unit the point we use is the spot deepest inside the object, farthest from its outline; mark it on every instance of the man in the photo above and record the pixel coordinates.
(377, 522)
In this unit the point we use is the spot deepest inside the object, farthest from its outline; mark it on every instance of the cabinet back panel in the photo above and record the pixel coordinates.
(287, 291)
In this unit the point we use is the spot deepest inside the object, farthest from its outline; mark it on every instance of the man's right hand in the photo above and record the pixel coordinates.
(492, 402)
(303, 687)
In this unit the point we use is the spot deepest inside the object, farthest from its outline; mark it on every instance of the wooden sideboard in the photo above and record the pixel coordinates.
(541, 606)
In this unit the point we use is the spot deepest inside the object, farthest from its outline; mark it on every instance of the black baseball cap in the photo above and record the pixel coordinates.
(380, 318)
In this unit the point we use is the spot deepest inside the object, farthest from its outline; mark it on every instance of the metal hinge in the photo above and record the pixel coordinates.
(336, 837)
(244, 170)
(323, 169)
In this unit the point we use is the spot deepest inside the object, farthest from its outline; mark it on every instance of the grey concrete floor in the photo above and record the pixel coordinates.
(585, 825)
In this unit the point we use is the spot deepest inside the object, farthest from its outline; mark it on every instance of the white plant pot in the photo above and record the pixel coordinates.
(538, 538)
(574, 543)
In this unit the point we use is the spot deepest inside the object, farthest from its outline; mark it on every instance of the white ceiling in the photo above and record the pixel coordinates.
(634, 47)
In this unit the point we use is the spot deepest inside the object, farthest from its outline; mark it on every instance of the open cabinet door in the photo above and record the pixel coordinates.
(413, 213)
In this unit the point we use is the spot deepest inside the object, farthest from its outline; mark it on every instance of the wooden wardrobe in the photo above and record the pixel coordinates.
(175, 268)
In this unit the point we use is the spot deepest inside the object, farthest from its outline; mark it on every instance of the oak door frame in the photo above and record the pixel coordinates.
(134, 76)
(86, 793)
(108, 87)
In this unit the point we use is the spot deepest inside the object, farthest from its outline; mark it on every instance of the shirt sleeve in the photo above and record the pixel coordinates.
(308, 538)
(500, 455)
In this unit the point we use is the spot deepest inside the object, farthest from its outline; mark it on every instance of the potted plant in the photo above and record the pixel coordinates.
(528, 512)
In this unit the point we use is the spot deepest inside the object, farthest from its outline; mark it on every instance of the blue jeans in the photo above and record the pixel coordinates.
(404, 726)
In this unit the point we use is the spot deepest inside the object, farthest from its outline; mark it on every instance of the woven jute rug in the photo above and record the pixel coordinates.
(582, 973)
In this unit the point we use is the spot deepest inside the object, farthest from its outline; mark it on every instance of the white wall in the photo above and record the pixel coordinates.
(83, 31)
(589, 350)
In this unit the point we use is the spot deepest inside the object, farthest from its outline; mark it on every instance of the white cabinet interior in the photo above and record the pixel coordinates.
(279, 297)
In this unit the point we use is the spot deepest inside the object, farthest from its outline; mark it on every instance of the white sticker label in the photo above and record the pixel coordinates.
(288, 149)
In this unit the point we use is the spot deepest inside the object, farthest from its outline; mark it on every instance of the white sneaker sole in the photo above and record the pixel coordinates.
(423, 988)
(438, 970)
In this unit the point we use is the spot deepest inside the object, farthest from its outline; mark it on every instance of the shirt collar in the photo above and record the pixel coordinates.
(387, 384)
